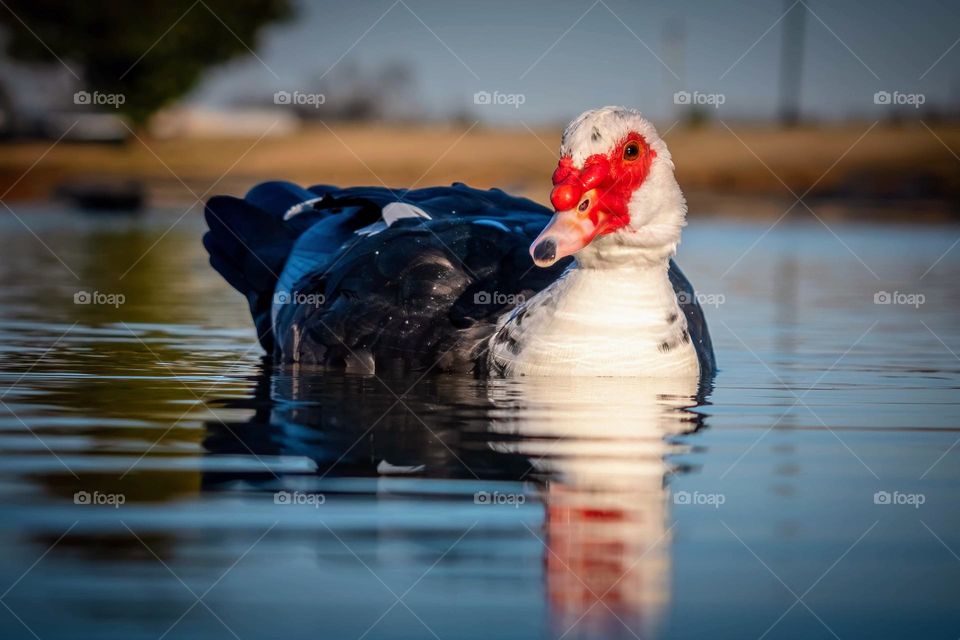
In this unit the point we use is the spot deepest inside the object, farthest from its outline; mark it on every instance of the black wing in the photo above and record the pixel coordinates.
(696, 323)
(416, 291)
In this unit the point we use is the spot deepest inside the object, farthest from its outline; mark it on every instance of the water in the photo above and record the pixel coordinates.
(236, 503)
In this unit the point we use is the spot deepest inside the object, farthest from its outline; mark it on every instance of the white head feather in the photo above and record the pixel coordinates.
(657, 208)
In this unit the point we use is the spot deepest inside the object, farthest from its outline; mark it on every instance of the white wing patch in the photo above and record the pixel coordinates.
(301, 207)
(391, 213)
(384, 468)
(397, 210)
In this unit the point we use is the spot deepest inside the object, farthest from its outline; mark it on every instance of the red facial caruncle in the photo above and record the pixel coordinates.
(592, 200)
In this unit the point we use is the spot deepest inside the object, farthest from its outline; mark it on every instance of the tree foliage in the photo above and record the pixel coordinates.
(151, 51)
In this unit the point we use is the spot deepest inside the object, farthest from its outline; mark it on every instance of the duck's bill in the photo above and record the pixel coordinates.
(565, 234)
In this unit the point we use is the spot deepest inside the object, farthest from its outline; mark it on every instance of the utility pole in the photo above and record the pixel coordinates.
(674, 42)
(791, 62)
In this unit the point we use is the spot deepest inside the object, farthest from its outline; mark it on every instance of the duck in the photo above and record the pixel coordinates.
(470, 281)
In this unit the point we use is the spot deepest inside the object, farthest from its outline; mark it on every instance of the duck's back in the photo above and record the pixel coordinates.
(371, 277)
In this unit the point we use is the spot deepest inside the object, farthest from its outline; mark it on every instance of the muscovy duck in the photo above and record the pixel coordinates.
(465, 280)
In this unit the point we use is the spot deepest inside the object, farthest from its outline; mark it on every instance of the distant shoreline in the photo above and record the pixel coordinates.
(861, 170)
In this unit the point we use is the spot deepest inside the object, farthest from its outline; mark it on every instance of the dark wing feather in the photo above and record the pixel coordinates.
(696, 323)
(423, 292)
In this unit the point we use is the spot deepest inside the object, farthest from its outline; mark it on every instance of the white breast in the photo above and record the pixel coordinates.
(598, 322)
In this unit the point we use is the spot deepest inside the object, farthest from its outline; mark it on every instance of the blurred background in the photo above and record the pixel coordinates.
(853, 105)
(809, 492)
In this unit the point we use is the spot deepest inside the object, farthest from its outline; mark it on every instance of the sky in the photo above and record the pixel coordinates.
(559, 57)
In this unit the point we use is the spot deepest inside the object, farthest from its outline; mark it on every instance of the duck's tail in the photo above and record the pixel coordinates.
(249, 242)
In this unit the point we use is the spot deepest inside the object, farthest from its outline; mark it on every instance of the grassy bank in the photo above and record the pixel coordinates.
(718, 166)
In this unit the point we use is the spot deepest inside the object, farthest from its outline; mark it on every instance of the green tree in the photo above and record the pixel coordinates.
(151, 51)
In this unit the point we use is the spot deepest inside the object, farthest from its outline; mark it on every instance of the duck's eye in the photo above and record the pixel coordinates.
(631, 151)
(584, 205)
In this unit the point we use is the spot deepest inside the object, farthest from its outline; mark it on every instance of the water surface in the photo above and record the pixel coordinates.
(158, 481)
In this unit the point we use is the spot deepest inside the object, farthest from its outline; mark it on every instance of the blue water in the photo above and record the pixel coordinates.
(811, 492)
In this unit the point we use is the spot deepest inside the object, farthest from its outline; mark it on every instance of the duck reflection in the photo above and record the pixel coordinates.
(599, 447)
(596, 451)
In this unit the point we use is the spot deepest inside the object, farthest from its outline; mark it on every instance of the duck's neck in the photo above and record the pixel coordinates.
(630, 251)
(607, 316)
(604, 306)
(610, 288)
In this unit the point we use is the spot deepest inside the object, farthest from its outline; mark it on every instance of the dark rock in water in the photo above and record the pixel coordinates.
(119, 196)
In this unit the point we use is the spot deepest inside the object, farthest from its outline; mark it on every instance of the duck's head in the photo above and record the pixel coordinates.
(614, 192)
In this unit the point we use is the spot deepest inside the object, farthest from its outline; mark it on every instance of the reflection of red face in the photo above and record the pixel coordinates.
(593, 200)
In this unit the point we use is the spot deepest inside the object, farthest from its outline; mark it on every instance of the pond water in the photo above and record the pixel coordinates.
(157, 481)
